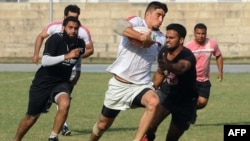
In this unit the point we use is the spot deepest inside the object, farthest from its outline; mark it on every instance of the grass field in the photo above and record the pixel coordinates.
(229, 104)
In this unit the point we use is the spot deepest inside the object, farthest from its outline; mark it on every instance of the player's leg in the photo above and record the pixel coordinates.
(63, 101)
(204, 93)
(24, 126)
(37, 104)
(65, 129)
(105, 121)
(161, 114)
(149, 99)
(182, 114)
(174, 133)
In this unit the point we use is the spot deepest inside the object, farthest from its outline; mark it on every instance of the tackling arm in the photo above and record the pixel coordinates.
(158, 78)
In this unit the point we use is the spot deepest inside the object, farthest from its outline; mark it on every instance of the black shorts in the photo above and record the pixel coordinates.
(183, 112)
(40, 99)
(203, 88)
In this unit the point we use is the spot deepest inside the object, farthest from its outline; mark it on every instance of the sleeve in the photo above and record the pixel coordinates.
(85, 34)
(49, 54)
(54, 27)
(217, 51)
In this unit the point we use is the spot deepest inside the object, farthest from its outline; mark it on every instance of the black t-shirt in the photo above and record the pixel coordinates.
(183, 86)
(50, 76)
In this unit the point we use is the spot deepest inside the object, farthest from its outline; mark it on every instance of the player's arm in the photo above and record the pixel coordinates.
(38, 43)
(178, 68)
(89, 50)
(76, 72)
(219, 61)
(125, 28)
(158, 78)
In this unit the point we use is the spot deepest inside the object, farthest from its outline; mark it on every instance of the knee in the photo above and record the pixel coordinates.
(153, 102)
(201, 103)
(99, 128)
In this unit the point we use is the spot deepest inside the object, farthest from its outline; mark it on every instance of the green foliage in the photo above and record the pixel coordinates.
(228, 105)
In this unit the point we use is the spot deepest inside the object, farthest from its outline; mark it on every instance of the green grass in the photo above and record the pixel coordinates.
(229, 104)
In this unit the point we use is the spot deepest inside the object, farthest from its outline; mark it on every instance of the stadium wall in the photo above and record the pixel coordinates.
(20, 23)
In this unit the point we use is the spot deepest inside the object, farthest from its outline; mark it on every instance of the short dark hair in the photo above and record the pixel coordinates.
(72, 8)
(157, 5)
(73, 19)
(200, 26)
(180, 29)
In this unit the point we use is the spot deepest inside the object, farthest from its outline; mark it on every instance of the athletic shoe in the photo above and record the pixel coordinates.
(53, 139)
(148, 138)
(65, 131)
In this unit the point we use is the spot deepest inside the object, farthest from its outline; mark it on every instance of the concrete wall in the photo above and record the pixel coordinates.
(20, 23)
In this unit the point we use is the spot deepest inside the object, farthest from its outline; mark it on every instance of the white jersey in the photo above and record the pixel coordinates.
(134, 64)
(83, 33)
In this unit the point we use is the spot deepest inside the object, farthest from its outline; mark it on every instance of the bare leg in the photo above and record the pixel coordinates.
(63, 103)
(24, 127)
(65, 124)
(162, 113)
(101, 126)
(151, 102)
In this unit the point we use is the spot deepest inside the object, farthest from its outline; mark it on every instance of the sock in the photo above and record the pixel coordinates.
(53, 135)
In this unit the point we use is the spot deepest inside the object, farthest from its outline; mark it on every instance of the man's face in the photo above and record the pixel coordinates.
(71, 29)
(72, 14)
(172, 40)
(155, 18)
(200, 35)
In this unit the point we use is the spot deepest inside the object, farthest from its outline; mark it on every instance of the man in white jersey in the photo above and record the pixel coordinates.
(131, 85)
(56, 27)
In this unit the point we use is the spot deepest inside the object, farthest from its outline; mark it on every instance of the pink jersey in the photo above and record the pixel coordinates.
(56, 27)
(203, 55)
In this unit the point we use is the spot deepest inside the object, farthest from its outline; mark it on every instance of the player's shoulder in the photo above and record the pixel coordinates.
(83, 28)
(189, 43)
(55, 23)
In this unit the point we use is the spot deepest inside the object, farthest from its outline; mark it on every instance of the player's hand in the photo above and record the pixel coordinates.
(146, 40)
(164, 64)
(74, 53)
(35, 59)
(219, 78)
(143, 41)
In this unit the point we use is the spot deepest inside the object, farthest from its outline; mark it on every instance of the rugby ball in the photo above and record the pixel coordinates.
(141, 29)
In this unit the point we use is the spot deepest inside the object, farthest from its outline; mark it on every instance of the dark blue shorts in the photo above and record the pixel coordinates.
(203, 88)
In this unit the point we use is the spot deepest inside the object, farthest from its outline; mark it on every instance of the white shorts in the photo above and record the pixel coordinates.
(120, 96)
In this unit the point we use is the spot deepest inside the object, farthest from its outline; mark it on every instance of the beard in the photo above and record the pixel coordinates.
(172, 49)
(69, 39)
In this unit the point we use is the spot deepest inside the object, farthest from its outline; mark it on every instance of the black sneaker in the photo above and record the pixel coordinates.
(66, 131)
(53, 139)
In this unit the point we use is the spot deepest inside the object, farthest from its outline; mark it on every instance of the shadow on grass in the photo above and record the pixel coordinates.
(89, 131)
